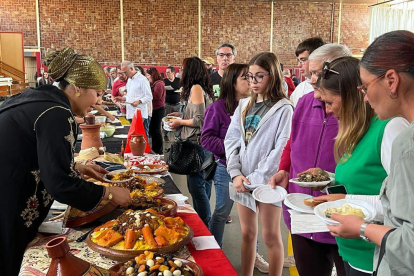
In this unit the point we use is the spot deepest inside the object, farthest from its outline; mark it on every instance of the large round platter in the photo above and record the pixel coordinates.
(75, 217)
(295, 201)
(368, 210)
(266, 194)
(125, 255)
(311, 184)
(195, 267)
(153, 169)
(125, 180)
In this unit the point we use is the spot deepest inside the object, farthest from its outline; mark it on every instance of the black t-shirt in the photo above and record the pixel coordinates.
(215, 81)
(172, 97)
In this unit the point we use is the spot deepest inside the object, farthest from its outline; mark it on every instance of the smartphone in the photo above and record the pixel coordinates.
(338, 189)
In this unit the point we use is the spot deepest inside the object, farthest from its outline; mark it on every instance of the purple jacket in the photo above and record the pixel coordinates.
(312, 145)
(216, 123)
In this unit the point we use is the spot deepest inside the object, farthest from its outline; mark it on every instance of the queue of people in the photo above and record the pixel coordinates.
(350, 118)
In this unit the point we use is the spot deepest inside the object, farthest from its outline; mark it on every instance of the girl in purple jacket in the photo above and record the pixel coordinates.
(234, 86)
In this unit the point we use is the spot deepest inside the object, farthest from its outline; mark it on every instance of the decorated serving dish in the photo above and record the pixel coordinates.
(75, 217)
(150, 169)
(134, 232)
(162, 206)
(151, 264)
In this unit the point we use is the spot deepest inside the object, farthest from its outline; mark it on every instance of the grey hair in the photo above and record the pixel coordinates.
(330, 52)
(233, 49)
(128, 63)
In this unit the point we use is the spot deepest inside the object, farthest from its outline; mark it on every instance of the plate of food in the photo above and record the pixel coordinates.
(151, 262)
(150, 169)
(166, 120)
(135, 232)
(162, 206)
(344, 207)
(300, 202)
(308, 180)
(266, 194)
(119, 177)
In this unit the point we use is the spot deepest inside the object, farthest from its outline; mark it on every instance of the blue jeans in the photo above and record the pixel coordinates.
(200, 190)
(146, 126)
(223, 203)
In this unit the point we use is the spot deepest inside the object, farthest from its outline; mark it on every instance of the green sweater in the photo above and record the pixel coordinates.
(362, 174)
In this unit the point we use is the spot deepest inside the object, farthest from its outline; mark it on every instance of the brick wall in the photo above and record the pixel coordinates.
(165, 32)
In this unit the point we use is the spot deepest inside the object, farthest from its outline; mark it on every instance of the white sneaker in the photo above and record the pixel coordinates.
(261, 264)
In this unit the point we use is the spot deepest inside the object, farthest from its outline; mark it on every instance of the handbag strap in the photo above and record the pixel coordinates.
(382, 250)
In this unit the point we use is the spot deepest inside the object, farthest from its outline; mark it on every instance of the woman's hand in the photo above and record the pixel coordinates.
(93, 171)
(175, 124)
(175, 114)
(281, 178)
(111, 117)
(312, 171)
(348, 228)
(239, 185)
(331, 197)
(120, 196)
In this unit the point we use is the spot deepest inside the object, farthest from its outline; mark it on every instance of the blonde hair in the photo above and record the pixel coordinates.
(355, 115)
(275, 90)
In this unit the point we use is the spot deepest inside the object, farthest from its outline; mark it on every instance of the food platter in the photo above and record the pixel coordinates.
(193, 266)
(311, 184)
(110, 239)
(166, 207)
(150, 179)
(150, 169)
(368, 210)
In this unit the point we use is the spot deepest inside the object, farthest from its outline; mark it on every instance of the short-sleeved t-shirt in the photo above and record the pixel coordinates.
(253, 117)
(215, 81)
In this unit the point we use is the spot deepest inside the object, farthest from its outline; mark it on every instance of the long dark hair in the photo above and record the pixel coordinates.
(355, 115)
(275, 90)
(393, 50)
(155, 75)
(229, 80)
(195, 72)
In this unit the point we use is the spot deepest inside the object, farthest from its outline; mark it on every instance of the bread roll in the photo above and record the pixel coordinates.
(312, 202)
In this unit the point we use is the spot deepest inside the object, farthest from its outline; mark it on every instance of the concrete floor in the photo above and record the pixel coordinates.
(232, 236)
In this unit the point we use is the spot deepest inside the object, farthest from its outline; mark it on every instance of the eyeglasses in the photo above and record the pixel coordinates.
(121, 73)
(258, 78)
(363, 88)
(225, 55)
(327, 69)
(302, 60)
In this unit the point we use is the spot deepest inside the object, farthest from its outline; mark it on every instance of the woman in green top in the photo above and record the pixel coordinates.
(358, 150)
(387, 71)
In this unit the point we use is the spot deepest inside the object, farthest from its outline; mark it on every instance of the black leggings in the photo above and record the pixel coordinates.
(315, 258)
(155, 130)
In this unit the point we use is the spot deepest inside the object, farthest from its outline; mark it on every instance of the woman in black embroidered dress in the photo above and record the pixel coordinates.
(37, 140)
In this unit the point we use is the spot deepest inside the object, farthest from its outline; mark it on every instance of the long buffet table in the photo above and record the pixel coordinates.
(212, 261)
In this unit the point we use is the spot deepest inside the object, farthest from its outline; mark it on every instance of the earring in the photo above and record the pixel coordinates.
(393, 97)
(77, 92)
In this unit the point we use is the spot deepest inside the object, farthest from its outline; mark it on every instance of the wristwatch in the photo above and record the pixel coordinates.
(364, 226)
(110, 196)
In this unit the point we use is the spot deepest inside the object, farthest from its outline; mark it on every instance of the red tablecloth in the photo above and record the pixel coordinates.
(212, 261)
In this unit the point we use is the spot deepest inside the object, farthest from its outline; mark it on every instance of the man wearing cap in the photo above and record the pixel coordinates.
(226, 55)
(209, 62)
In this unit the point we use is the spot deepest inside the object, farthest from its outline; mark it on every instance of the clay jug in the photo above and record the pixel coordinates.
(137, 144)
(65, 264)
(90, 136)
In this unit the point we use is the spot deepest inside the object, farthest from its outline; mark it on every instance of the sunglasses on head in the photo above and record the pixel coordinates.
(326, 70)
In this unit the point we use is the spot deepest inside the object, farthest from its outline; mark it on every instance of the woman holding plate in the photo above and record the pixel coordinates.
(37, 146)
(361, 149)
(387, 73)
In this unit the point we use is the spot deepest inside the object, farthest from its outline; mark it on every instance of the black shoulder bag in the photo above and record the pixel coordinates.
(184, 157)
(382, 251)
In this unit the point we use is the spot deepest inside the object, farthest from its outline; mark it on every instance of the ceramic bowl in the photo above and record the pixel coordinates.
(109, 130)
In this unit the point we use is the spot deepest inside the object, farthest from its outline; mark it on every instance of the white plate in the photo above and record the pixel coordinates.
(179, 198)
(94, 111)
(295, 201)
(166, 122)
(266, 194)
(122, 136)
(311, 184)
(368, 210)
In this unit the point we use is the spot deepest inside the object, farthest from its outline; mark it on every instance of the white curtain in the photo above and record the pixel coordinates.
(386, 19)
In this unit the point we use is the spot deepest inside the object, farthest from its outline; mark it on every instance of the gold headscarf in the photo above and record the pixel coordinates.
(80, 70)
